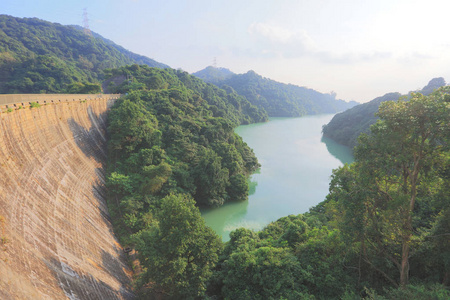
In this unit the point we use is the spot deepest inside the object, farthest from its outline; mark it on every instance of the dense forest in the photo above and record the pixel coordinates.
(214, 75)
(381, 233)
(278, 99)
(345, 127)
(173, 134)
(37, 56)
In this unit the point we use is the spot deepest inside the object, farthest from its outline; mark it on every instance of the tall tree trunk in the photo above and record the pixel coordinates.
(404, 268)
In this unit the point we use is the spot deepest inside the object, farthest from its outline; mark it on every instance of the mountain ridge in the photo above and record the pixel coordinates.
(37, 56)
(278, 99)
(345, 127)
(214, 74)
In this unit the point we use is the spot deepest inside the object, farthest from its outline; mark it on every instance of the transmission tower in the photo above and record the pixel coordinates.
(215, 62)
(86, 22)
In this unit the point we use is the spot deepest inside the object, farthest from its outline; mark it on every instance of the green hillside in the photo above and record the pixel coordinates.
(346, 126)
(221, 103)
(187, 123)
(214, 75)
(278, 99)
(37, 56)
(381, 233)
(172, 134)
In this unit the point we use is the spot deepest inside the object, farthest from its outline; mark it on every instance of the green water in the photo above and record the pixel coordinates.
(296, 167)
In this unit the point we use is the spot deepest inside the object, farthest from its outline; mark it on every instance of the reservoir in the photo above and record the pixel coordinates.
(296, 165)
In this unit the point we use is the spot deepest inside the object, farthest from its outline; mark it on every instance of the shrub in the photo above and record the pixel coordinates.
(34, 104)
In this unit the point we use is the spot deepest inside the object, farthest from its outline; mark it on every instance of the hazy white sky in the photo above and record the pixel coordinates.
(360, 49)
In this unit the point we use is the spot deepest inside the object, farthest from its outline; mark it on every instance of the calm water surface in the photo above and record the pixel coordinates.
(296, 167)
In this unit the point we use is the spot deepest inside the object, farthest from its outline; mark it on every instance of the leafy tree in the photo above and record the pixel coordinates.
(380, 191)
(210, 178)
(238, 188)
(288, 231)
(252, 268)
(131, 128)
(345, 127)
(325, 257)
(84, 88)
(433, 257)
(263, 273)
(178, 251)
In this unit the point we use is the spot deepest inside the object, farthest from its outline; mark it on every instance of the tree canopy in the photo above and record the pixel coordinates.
(278, 99)
(178, 249)
(381, 233)
(37, 56)
(389, 198)
(345, 127)
(172, 146)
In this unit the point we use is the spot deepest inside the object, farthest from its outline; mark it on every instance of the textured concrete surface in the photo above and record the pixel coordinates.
(56, 238)
(14, 100)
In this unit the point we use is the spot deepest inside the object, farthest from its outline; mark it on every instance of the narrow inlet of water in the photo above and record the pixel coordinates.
(296, 165)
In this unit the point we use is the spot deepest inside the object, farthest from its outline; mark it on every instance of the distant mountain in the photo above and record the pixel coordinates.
(214, 75)
(345, 127)
(226, 104)
(434, 84)
(278, 99)
(37, 56)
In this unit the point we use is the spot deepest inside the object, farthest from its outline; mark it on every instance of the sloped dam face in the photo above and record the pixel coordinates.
(56, 237)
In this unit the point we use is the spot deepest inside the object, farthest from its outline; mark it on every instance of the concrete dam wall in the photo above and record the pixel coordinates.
(56, 238)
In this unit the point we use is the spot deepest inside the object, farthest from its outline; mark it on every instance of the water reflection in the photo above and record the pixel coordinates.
(252, 183)
(229, 217)
(341, 152)
(296, 167)
(220, 219)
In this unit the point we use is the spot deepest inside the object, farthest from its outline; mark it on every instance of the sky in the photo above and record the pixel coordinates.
(358, 49)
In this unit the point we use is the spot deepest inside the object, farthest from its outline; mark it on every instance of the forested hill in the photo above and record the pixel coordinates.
(279, 99)
(37, 56)
(172, 134)
(214, 75)
(181, 86)
(381, 233)
(346, 126)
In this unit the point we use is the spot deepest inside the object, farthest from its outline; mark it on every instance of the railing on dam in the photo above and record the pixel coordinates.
(12, 100)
